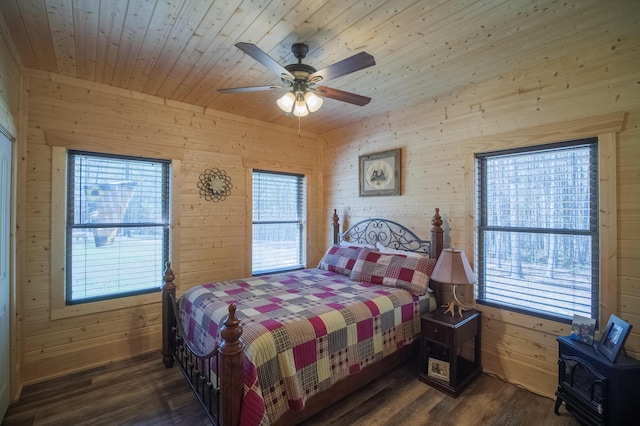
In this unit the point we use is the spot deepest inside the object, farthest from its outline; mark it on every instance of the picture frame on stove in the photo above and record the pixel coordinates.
(613, 338)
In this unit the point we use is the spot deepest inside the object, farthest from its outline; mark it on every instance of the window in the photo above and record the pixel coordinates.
(278, 222)
(537, 230)
(117, 228)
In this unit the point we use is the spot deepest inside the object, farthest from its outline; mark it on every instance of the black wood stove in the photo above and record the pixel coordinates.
(595, 390)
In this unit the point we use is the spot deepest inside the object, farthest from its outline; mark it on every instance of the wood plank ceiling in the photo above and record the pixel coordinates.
(184, 49)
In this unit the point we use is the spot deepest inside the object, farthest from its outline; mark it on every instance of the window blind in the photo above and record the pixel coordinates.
(278, 215)
(117, 226)
(537, 230)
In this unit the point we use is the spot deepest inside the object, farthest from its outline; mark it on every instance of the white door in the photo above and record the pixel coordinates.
(5, 209)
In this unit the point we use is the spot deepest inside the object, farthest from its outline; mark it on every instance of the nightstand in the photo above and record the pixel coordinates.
(444, 344)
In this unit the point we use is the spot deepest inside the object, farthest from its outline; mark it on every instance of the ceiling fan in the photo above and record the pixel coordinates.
(303, 96)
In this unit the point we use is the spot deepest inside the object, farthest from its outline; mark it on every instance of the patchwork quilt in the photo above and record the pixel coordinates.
(303, 331)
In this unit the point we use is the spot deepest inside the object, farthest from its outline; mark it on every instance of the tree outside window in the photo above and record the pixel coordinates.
(537, 230)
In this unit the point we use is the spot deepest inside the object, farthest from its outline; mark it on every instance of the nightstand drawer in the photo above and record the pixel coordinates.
(437, 332)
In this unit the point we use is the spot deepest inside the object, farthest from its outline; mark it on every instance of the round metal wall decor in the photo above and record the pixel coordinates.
(215, 185)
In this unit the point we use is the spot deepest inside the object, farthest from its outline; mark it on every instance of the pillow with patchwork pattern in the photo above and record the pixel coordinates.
(394, 270)
(340, 259)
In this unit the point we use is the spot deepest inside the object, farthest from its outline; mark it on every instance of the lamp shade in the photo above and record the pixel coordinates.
(314, 102)
(453, 268)
(300, 108)
(300, 103)
(286, 102)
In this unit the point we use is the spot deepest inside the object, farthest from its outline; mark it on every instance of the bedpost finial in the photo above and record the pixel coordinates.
(231, 332)
(336, 227)
(437, 235)
(437, 220)
(169, 275)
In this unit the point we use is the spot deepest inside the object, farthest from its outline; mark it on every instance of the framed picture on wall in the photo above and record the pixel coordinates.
(380, 173)
(613, 337)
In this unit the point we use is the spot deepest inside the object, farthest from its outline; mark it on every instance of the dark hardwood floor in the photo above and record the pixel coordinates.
(141, 391)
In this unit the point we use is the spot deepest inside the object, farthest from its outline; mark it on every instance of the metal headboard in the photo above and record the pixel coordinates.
(388, 233)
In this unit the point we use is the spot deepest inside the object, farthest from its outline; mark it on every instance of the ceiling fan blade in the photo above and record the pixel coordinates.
(340, 95)
(259, 55)
(346, 66)
(249, 89)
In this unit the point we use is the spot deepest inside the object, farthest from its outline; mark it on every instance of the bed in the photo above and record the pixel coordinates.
(277, 349)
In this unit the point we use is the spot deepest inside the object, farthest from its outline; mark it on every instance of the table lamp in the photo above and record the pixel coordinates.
(453, 268)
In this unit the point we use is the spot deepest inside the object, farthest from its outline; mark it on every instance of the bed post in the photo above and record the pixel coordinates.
(336, 227)
(437, 234)
(230, 367)
(437, 243)
(168, 293)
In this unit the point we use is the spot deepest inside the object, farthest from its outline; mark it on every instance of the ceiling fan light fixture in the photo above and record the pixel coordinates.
(287, 101)
(313, 101)
(300, 108)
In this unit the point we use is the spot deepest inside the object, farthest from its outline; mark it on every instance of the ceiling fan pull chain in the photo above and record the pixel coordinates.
(298, 127)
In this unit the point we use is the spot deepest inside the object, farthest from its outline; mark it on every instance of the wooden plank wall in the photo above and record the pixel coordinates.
(601, 79)
(210, 238)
